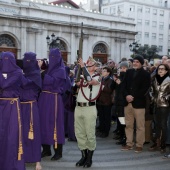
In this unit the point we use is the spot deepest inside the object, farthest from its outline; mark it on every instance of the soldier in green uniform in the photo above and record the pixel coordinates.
(86, 112)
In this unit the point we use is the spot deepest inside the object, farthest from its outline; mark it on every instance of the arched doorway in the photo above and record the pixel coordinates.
(62, 47)
(7, 43)
(100, 53)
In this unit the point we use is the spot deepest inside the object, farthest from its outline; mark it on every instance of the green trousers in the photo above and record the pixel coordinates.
(85, 124)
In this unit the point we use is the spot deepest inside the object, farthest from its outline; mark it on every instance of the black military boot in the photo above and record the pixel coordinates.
(58, 152)
(83, 158)
(46, 151)
(88, 162)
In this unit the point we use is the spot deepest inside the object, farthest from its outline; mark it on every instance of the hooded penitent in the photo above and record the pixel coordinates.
(29, 91)
(11, 74)
(56, 65)
(11, 155)
(50, 100)
(9, 63)
(31, 68)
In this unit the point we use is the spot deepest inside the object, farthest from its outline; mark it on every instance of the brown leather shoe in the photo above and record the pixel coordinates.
(126, 148)
(138, 149)
(154, 147)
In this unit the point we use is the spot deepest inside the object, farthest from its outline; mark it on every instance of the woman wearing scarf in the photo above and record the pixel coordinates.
(30, 88)
(51, 106)
(11, 145)
(161, 94)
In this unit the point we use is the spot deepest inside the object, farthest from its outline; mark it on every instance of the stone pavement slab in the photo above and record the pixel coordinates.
(108, 156)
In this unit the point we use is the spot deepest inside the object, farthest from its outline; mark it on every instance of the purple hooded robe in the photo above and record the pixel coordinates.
(11, 149)
(30, 88)
(50, 101)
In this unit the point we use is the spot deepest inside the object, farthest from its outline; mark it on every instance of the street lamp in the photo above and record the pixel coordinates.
(53, 42)
(134, 47)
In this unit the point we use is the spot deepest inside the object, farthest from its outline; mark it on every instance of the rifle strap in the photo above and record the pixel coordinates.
(90, 97)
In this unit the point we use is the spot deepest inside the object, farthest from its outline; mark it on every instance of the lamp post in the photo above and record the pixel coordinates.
(53, 42)
(134, 47)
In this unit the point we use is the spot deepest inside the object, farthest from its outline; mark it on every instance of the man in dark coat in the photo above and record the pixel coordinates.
(137, 84)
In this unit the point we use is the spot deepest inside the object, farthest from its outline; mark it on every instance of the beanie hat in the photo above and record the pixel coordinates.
(124, 64)
(131, 60)
(139, 58)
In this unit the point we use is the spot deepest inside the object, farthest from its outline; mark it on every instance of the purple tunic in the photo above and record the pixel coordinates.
(50, 100)
(30, 88)
(10, 133)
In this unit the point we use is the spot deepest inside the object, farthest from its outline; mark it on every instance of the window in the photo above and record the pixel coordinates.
(166, 4)
(146, 34)
(169, 50)
(154, 23)
(160, 1)
(161, 13)
(120, 7)
(161, 25)
(100, 48)
(105, 1)
(147, 22)
(95, 2)
(154, 11)
(6, 40)
(139, 22)
(169, 26)
(153, 35)
(139, 9)
(160, 37)
(132, 8)
(139, 35)
(153, 46)
(105, 11)
(113, 10)
(160, 48)
(147, 10)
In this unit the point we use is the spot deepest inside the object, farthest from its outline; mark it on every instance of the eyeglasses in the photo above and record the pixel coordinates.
(161, 69)
(110, 62)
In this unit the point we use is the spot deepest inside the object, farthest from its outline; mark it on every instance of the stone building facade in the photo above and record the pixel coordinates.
(24, 26)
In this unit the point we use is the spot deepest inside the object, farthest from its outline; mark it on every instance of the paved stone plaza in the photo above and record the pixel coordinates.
(108, 156)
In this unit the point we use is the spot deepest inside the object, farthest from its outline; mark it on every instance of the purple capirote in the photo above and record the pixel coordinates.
(53, 84)
(10, 81)
(30, 88)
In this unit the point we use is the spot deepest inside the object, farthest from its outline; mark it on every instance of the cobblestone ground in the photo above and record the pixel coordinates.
(108, 156)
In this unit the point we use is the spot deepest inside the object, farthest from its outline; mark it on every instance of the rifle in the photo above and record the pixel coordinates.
(79, 54)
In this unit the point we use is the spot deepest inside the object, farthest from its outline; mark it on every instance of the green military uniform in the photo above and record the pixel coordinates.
(85, 118)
